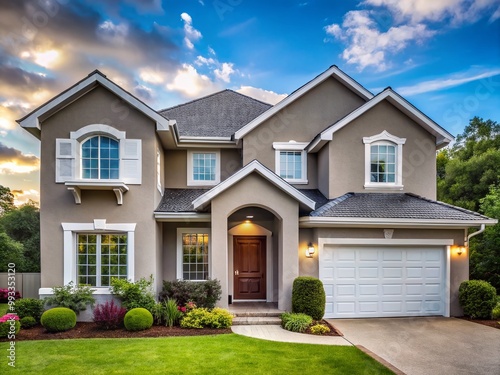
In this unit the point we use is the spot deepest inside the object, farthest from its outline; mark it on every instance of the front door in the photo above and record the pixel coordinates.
(249, 267)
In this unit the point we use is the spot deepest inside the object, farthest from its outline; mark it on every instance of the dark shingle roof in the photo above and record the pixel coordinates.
(217, 115)
(179, 200)
(315, 195)
(394, 206)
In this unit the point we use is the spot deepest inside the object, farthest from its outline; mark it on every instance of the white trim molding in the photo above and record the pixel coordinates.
(190, 168)
(292, 146)
(388, 139)
(98, 226)
(97, 129)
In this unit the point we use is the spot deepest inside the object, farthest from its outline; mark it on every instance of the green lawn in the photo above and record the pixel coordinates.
(220, 354)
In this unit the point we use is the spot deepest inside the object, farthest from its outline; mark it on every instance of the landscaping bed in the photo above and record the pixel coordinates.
(333, 330)
(85, 330)
(489, 322)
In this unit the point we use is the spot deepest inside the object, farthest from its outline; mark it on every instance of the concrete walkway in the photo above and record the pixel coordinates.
(276, 333)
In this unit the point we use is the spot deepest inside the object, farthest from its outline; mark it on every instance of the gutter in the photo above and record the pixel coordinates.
(481, 230)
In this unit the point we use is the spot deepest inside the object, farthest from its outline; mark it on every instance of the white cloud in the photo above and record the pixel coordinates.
(367, 45)
(225, 72)
(200, 60)
(457, 11)
(190, 83)
(190, 33)
(24, 196)
(260, 94)
(113, 33)
(151, 76)
(444, 83)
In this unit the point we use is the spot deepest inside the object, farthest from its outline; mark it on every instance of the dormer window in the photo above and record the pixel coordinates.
(203, 168)
(101, 158)
(384, 161)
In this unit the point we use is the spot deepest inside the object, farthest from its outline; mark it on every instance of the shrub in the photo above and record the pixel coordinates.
(28, 322)
(158, 312)
(133, 295)
(4, 295)
(7, 329)
(295, 322)
(29, 307)
(477, 298)
(138, 319)
(308, 297)
(495, 313)
(204, 318)
(202, 293)
(109, 315)
(172, 312)
(74, 297)
(319, 329)
(58, 319)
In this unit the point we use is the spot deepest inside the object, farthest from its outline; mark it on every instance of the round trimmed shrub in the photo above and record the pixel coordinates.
(308, 297)
(477, 298)
(7, 328)
(138, 319)
(58, 319)
(29, 307)
(28, 322)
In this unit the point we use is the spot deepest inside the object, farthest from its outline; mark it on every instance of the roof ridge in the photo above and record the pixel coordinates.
(461, 209)
(249, 97)
(331, 204)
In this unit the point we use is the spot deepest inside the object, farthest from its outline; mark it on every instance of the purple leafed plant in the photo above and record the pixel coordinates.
(109, 315)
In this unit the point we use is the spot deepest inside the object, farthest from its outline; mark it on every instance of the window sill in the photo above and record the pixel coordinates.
(382, 186)
(119, 188)
(202, 183)
(297, 182)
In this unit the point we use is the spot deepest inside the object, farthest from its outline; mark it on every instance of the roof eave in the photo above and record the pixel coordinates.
(182, 216)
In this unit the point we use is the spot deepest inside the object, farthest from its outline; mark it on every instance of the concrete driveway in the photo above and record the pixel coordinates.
(427, 345)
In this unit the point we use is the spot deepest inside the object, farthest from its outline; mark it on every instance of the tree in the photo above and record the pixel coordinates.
(23, 225)
(10, 252)
(6, 200)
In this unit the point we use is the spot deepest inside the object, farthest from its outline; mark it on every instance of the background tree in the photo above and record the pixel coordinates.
(468, 176)
(6, 200)
(10, 252)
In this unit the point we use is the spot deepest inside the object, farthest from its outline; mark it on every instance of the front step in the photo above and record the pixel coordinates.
(256, 320)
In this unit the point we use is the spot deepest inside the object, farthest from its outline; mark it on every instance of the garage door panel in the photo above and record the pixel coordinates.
(377, 281)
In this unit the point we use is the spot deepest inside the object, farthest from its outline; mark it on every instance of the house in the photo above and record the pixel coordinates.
(332, 182)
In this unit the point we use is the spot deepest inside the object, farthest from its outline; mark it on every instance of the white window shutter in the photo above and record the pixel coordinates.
(131, 161)
(65, 159)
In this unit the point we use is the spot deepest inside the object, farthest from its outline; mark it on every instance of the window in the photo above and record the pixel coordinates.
(203, 168)
(291, 161)
(384, 161)
(193, 254)
(100, 258)
(100, 158)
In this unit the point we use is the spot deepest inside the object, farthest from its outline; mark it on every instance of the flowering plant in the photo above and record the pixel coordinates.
(188, 307)
(9, 325)
(182, 309)
(8, 317)
(4, 295)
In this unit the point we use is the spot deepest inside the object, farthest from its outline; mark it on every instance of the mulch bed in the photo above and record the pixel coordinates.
(85, 330)
(333, 330)
(489, 323)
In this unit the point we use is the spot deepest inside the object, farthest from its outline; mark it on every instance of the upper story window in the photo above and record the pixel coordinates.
(203, 168)
(384, 161)
(291, 161)
(101, 158)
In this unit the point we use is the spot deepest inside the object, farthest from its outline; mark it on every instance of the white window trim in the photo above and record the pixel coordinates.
(99, 226)
(292, 146)
(190, 180)
(385, 136)
(180, 232)
(158, 171)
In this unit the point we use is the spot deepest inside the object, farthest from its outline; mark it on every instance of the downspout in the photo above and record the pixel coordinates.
(481, 230)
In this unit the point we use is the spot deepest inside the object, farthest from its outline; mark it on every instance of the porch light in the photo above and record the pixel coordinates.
(461, 249)
(310, 250)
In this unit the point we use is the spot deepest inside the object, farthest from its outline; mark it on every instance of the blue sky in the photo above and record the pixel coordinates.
(443, 56)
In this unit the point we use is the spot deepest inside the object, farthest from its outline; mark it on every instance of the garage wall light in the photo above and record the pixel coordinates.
(461, 249)
(310, 250)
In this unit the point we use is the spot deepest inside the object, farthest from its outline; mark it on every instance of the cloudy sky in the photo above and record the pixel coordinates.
(443, 56)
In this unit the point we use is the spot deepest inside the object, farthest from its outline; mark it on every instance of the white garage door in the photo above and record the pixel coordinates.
(383, 281)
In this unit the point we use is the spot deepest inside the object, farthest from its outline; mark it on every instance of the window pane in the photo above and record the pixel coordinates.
(383, 163)
(291, 165)
(204, 166)
(100, 158)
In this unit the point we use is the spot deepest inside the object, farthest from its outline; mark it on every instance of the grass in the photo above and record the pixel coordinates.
(220, 354)
(3, 309)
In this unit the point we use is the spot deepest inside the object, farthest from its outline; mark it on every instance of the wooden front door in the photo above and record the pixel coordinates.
(249, 267)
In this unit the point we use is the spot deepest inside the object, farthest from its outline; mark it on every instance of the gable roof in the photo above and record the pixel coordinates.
(217, 115)
(333, 71)
(254, 167)
(442, 136)
(395, 209)
(31, 122)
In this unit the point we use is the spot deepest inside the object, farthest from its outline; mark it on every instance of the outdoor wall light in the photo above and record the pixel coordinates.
(460, 250)
(309, 250)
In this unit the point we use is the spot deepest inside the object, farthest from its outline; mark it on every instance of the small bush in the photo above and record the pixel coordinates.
(29, 307)
(138, 319)
(295, 322)
(495, 313)
(74, 297)
(172, 313)
(477, 298)
(28, 322)
(202, 293)
(7, 328)
(4, 295)
(204, 318)
(58, 319)
(109, 315)
(134, 295)
(319, 329)
(308, 297)
(158, 312)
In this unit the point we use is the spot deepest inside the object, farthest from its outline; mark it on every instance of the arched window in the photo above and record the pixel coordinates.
(100, 158)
